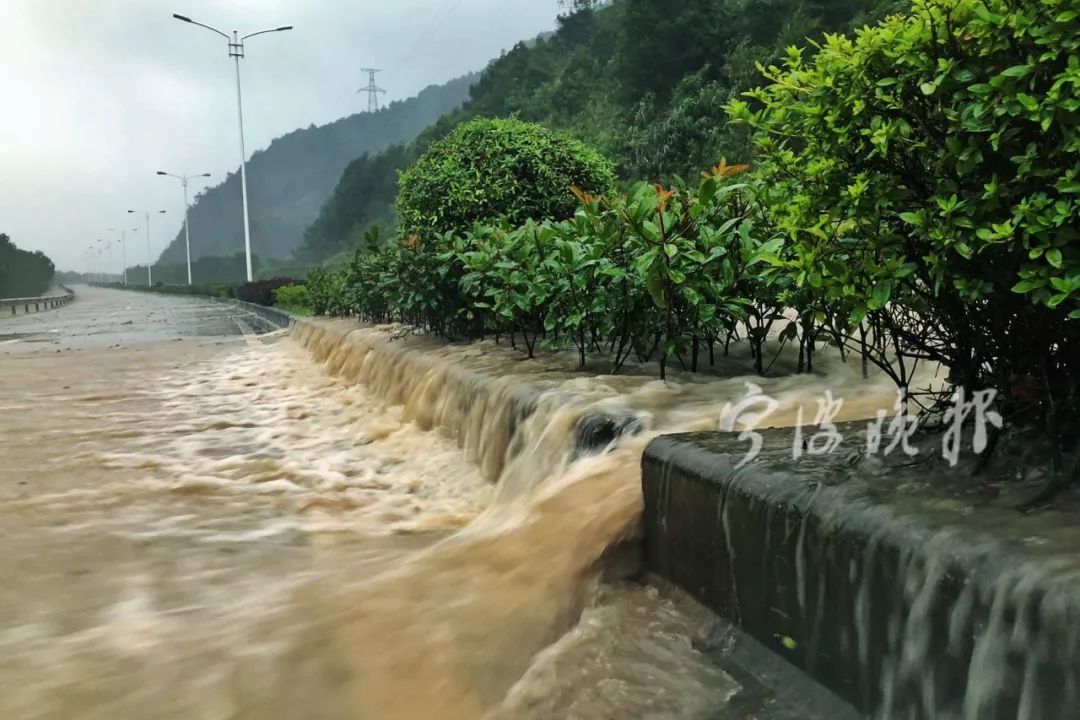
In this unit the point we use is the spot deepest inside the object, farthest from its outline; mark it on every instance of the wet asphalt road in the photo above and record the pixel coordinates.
(103, 317)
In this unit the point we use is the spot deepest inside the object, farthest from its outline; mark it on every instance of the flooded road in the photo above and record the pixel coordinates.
(203, 523)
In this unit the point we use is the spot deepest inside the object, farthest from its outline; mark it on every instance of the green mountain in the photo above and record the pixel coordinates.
(643, 81)
(289, 181)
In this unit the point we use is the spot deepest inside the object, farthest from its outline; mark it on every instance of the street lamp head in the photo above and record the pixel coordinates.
(131, 211)
(206, 175)
(161, 212)
(181, 17)
(283, 28)
(162, 172)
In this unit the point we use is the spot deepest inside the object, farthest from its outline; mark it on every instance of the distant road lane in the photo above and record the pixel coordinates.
(106, 317)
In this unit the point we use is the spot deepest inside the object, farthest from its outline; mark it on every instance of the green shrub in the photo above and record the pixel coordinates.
(294, 299)
(926, 175)
(488, 170)
(326, 293)
(659, 274)
(260, 292)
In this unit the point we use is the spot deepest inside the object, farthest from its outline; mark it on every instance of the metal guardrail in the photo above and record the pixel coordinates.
(46, 302)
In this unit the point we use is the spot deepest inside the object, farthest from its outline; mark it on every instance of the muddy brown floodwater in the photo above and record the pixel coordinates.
(203, 523)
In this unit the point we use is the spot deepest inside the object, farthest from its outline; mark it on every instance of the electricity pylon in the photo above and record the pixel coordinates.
(372, 89)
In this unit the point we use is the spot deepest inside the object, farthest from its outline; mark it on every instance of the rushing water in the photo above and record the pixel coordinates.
(337, 525)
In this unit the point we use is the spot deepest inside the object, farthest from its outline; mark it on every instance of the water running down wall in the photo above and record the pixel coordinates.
(525, 423)
(904, 608)
(907, 600)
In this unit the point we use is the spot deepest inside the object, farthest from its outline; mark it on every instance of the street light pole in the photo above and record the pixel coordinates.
(118, 238)
(108, 259)
(123, 248)
(101, 261)
(187, 226)
(236, 51)
(149, 257)
(121, 239)
(123, 234)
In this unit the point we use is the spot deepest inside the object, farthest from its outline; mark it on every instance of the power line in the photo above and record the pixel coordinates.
(440, 16)
(372, 89)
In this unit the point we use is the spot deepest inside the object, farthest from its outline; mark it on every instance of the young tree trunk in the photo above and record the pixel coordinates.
(808, 341)
(865, 351)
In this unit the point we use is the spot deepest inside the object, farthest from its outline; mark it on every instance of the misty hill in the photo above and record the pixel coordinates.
(289, 181)
(643, 81)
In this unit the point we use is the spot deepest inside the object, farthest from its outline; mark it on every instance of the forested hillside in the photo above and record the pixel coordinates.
(644, 81)
(291, 179)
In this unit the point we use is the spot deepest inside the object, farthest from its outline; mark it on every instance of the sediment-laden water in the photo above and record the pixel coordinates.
(337, 525)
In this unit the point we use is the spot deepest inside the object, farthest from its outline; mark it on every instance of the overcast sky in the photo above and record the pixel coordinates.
(96, 95)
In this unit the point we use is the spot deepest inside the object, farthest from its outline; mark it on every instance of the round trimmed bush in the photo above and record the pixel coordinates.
(490, 170)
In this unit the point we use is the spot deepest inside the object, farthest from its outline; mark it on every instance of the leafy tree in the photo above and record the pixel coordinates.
(496, 170)
(926, 175)
(363, 198)
(682, 37)
(23, 273)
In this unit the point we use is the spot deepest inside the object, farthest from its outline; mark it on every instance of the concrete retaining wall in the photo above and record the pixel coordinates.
(906, 612)
(273, 316)
(497, 420)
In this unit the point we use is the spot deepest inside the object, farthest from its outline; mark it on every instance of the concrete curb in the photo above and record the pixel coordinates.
(272, 315)
(896, 613)
(495, 419)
